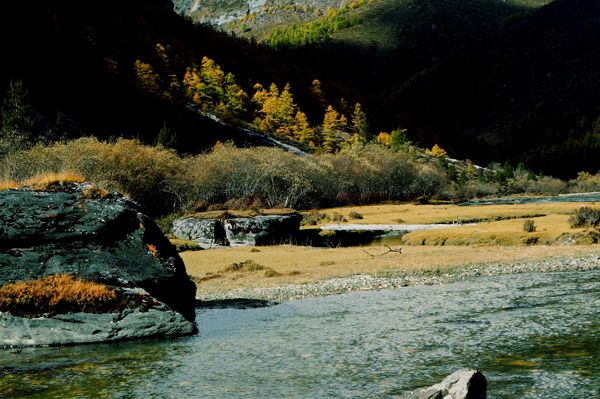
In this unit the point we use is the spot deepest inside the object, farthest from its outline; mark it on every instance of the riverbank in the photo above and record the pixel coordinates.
(366, 282)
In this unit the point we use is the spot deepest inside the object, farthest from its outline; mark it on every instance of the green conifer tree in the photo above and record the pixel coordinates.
(17, 114)
(166, 137)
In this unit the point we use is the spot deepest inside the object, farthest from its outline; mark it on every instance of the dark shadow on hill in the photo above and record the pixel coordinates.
(528, 93)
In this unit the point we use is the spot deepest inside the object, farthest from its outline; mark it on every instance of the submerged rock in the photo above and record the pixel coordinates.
(462, 384)
(85, 232)
(214, 230)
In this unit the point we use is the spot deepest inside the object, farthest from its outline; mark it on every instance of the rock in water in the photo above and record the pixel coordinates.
(462, 384)
(83, 231)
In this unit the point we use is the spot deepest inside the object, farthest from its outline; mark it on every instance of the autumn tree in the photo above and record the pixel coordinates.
(316, 93)
(437, 151)
(148, 80)
(333, 122)
(213, 89)
(276, 110)
(360, 125)
(161, 54)
(302, 130)
(212, 84)
(385, 139)
(235, 98)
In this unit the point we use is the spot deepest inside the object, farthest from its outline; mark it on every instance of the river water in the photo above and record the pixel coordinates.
(532, 335)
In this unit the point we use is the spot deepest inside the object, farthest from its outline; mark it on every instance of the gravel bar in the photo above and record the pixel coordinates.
(364, 282)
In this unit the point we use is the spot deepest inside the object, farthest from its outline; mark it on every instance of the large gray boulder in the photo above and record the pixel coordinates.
(83, 231)
(78, 328)
(214, 230)
(462, 384)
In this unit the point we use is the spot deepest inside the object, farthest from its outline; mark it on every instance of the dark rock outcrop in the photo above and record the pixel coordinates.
(232, 230)
(81, 231)
(462, 384)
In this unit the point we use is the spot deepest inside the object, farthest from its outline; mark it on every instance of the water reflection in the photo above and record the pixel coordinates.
(532, 335)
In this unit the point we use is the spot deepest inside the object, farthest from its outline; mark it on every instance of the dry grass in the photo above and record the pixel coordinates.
(49, 181)
(500, 239)
(243, 213)
(6, 184)
(58, 294)
(95, 192)
(298, 265)
(550, 230)
(425, 214)
(185, 245)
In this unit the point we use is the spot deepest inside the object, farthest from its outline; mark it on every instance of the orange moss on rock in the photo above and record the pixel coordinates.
(49, 181)
(59, 294)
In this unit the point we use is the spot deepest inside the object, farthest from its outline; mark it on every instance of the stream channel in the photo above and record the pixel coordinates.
(532, 335)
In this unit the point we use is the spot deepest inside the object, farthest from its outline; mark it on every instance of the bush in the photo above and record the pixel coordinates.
(338, 217)
(314, 218)
(355, 215)
(585, 217)
(529, 226)
(153, 176)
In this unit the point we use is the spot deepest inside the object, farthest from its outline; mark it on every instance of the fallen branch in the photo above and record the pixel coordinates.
(398, 250)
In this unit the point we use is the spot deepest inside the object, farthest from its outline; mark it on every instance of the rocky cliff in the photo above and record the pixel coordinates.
(223, 12)
(82, 231)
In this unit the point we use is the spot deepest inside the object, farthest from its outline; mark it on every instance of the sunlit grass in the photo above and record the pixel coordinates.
(447, 213)
(6, 184)
(499, 239)
(48, 180)
(299, 265)
(58, 293)
(549, 230)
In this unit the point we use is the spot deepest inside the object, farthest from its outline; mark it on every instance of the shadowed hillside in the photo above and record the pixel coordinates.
(529, 93)
(77, 61)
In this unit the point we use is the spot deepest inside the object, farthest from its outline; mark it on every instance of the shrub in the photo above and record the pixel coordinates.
(585, 217)
(529, 226)
(246, 266)
(532, 240)
(355, 215)
(314, 218)
(338, 217)
(271, 273)
(165, 223)
(154, 177)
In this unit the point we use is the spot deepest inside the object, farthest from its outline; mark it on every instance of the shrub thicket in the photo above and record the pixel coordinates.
(253, 178)
(153, 176)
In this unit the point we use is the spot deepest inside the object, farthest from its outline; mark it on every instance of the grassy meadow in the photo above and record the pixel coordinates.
(498, 237)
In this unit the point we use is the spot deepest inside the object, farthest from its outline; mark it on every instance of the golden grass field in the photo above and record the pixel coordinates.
(481, 244)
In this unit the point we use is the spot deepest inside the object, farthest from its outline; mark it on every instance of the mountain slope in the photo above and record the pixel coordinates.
(77, 60)
(528, 93)
(393, 41)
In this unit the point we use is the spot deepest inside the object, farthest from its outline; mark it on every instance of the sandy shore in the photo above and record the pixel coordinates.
(405, 279)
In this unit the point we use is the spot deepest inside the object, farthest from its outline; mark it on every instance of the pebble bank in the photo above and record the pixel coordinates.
(404, 279)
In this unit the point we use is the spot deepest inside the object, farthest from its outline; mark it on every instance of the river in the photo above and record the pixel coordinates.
(533, 335)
